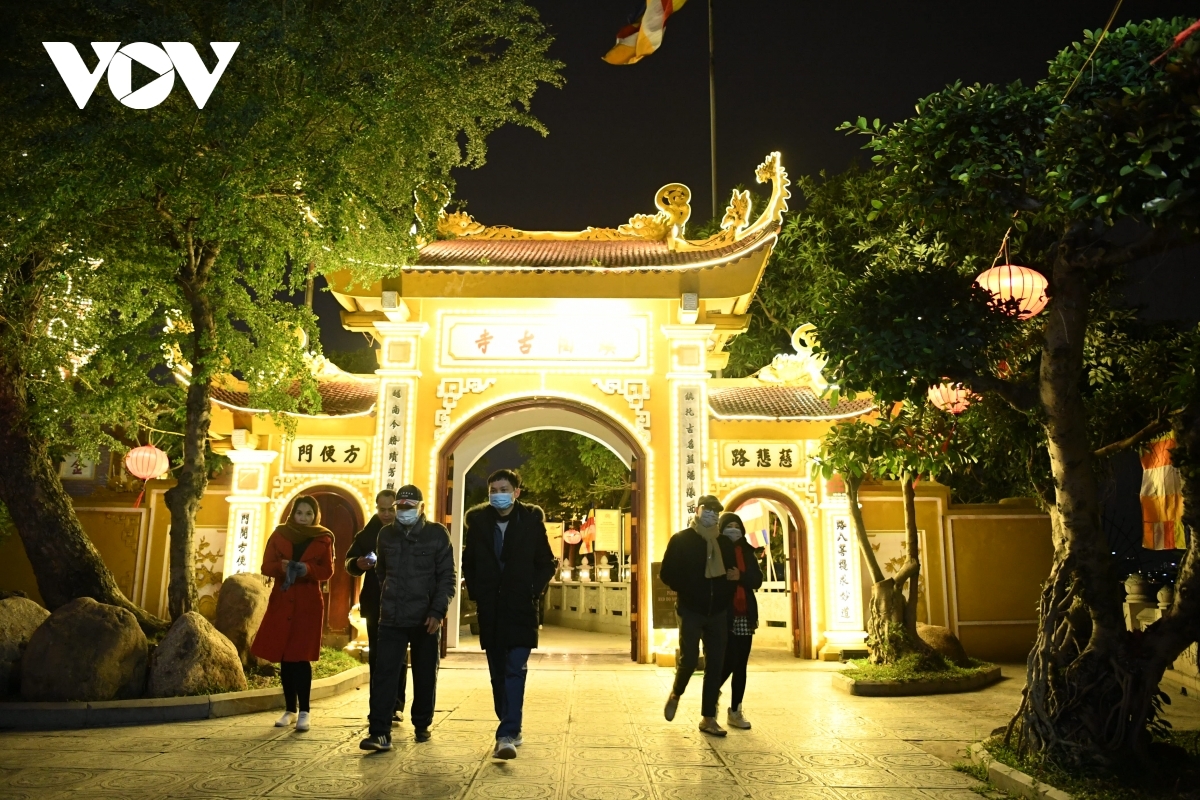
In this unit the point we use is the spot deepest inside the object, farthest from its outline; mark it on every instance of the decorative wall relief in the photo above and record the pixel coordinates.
(451, 390)
(636, 393)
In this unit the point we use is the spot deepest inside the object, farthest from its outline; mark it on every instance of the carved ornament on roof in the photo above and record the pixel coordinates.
(804, 368)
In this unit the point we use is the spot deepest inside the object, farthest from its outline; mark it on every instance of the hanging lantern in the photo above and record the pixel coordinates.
(953, 398)
(146, 462)
(1009, 282)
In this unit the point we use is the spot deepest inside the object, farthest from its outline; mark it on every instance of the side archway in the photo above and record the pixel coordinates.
(798, 564)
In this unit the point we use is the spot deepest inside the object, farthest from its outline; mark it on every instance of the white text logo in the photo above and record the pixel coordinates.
(172, 57)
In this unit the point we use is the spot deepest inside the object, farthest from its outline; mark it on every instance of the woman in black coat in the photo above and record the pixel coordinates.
(743, 615)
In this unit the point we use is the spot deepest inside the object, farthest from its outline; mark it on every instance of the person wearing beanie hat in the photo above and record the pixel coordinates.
(699, 567)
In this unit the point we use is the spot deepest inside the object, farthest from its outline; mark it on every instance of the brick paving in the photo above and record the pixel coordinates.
(593, 731)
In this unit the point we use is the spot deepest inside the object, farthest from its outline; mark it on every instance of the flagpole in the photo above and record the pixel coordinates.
(712, 108)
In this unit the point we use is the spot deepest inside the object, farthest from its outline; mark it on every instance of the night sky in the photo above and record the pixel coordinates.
(788, 72)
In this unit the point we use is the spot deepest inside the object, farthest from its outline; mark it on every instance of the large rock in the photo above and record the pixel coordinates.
(241, 605)
(195, 658)
(19, 618)
(85, 651)
(944, 642)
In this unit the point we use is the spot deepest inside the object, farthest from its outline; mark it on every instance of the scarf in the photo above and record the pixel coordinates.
(714, 566)
(296, 534)
(739, 596)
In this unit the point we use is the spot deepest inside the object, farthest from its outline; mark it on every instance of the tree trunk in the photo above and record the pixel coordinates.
(888, 638)
(65, 562)
(912, 564)
(183, 499)
(1076, 707)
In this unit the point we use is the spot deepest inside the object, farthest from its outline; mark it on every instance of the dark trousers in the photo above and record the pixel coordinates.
(508, 667)
(296, 677)
(713, 630)
(389, 666)
(372, 636)
(737, 655)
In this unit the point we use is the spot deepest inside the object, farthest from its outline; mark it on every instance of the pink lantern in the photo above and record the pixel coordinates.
(1013, 282)
(144, 463)
(950, 397)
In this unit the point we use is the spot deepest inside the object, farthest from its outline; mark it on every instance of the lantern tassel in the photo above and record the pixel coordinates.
(138, 503)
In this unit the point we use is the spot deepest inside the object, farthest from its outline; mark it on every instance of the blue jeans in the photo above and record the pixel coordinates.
(508, 669)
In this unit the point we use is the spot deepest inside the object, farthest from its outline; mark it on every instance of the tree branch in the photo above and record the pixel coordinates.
(1021, 396)
(1159, 425)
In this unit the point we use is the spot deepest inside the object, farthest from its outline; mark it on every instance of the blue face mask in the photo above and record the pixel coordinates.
(408, 516)
(501, 500)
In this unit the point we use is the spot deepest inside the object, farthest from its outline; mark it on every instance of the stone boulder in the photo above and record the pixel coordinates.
(19, 618)
(241, 604)
(85, 651)
(944, 642)
(195, 658)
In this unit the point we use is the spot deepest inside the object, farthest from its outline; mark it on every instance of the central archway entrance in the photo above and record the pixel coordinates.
(502, 421)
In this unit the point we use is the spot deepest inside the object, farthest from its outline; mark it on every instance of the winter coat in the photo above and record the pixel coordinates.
(416, 573)
(291, 628)
(683, 571)
(751, 580)
(365, 541)
(506, 599)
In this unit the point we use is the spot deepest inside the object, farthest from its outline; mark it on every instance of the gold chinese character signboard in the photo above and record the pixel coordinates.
(75, 467)
(545, 341)
(762, 458)
(329, 454)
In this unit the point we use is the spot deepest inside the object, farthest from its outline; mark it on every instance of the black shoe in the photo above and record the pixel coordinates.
(380, 742)
(423, 734)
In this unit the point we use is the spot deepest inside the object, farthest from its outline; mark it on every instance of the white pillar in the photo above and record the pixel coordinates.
(245, 536)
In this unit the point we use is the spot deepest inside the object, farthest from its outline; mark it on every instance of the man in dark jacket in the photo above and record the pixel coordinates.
(415, 569)
(699, 567)
(360, 561)
(506, 563)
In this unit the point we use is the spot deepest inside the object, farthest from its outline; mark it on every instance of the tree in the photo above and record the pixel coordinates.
(911, 443)
(1091, 174)
(305, 158)
(568, 473)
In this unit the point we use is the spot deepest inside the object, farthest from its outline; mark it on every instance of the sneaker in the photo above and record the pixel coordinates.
(709, 725)
(734, 718)
(423, 734)
(302, 721)
(671, 706)
(518, 741)
(397, 716)
(505, 748)
(285, 720)
(379, 742)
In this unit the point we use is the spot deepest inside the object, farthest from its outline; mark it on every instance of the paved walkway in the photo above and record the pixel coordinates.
(593, 731)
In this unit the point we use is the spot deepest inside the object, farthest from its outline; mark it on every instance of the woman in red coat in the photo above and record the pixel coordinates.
(299, 556)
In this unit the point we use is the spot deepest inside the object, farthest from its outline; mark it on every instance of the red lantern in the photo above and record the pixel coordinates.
(1013, 282)
(144, 463)
(953, 398)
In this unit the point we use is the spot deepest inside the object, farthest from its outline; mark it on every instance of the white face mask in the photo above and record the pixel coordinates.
(733, 532)
(408, 516)
(708, 518)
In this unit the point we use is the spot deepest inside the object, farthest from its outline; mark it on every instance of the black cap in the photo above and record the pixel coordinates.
(408, 495)
(710, 501)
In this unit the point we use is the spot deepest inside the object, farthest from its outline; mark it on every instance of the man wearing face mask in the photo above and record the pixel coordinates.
(360, 560)
(415, 569)
(699, 567)
(506, 563)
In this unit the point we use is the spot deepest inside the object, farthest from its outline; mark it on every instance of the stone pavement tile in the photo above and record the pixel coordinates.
(613, 755)
(282, 765)
(225, 784)
(182, 762)
(678, 757)
(690, 774)
(127, 783)
(952, 794)
(335, 786)
(607, 771)
(93, 759)
(690, 791)
(857, 777)
(409, 787)
(831, 760)
(601, 740)
(936, 778)
(873, 746)
(796, 793)
(510, 790)
(520, 771)
(748, 759)
(807, 744)
(294, 746)
(898, 761)
(774, 776)
(884, 794)
(46, 779)
(442, 770)
(533, 752)
(44, 742)
(610, 791)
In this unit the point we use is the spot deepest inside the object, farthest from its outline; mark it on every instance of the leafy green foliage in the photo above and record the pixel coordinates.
(566, 473)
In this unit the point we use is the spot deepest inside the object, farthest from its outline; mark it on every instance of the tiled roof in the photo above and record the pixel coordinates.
(338, 398)
(574, 255)
(780, 402)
